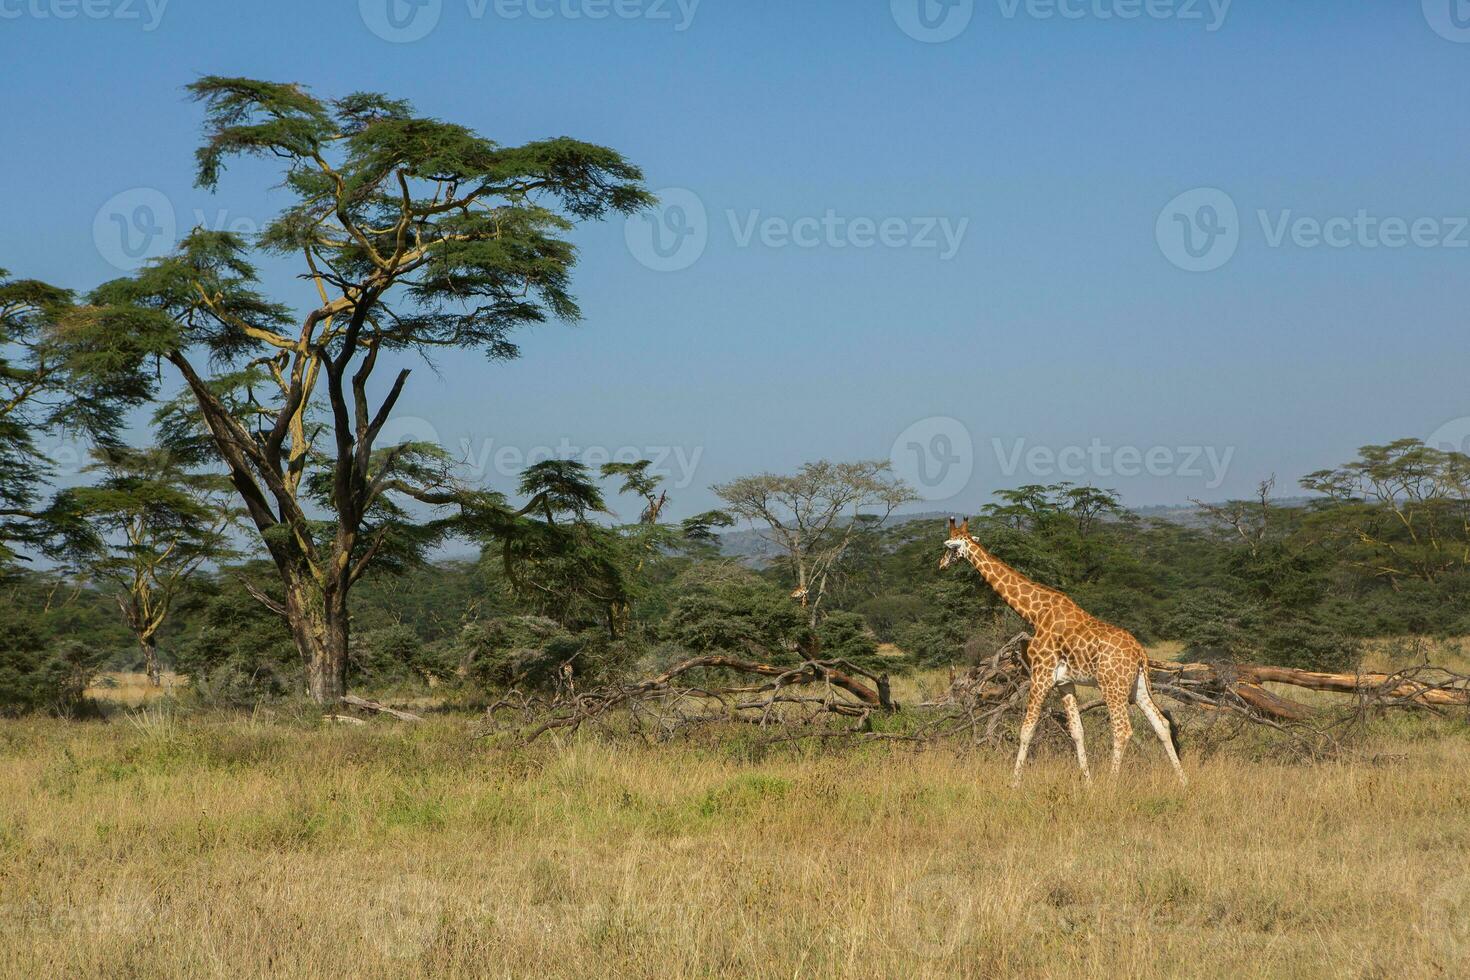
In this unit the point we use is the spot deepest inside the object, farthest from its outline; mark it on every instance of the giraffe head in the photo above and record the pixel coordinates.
(957, 542)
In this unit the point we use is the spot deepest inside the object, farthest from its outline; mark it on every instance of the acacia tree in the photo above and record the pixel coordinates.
(146, 527)
(816, 514)
(417, 235)
(1404, 506)
(40, 390)
(567, 565)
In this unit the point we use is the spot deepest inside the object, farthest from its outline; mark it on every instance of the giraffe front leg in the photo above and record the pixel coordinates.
(1041, 685)
(1122, 727)
(1074, 725)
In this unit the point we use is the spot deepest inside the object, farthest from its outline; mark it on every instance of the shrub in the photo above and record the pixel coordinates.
(394, 654)
(845, 635)
(35, 676)
(240, 654)
(530, 651)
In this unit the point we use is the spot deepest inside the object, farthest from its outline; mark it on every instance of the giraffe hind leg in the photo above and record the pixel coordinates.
(1117, 702)
(1161, 724)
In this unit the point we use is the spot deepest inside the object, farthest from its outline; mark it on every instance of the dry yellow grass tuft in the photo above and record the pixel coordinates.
(257, 847)
(131, 689)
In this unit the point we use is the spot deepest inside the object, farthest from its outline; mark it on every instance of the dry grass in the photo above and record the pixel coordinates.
(271, 847)
(131, 689)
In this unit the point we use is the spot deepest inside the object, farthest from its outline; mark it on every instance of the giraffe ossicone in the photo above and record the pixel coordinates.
(1069, 645)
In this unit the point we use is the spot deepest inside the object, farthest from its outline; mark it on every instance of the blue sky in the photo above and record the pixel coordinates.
(827, 313)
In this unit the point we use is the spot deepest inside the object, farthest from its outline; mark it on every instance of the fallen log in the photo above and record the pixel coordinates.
(373, 707)
(1400, 685)
(844, 696)
(818, 669)
(1421, 686)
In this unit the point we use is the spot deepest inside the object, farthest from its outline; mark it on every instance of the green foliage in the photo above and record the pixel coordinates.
(535, 653)
(724, 609)
(394, 654)
(239, 652)
(846, 636)
(418, 235)
(43, 389)
(39, 676)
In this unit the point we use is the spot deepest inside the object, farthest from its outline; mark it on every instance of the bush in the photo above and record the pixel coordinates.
(395, 654)
(241, 653)
(1217, 625)
(731, 613)
(845, 636)
(530, 651)
(38, 677)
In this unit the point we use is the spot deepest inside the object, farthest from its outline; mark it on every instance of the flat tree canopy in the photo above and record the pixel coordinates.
(417, 235)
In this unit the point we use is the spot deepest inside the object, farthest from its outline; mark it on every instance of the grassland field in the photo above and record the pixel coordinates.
(204, 843)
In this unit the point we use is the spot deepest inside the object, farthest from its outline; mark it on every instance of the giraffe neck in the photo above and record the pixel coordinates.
(1008, 583)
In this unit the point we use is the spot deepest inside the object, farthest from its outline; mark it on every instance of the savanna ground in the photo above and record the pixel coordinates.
(164, 841)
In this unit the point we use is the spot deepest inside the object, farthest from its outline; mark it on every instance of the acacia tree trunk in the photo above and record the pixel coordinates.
(150, 659)
(319, 625)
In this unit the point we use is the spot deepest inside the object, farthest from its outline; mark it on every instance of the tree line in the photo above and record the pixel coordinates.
(265, 541)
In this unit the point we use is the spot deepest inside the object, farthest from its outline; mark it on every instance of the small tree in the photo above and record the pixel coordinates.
(569, 567)
(816, 514)
(145, 528)
(417, 236)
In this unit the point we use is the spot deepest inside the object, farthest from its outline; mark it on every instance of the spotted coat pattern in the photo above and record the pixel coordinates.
(1068, 646)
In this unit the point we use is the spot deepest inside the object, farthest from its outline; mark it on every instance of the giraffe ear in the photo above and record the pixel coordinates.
(951, 527)
(965, 527)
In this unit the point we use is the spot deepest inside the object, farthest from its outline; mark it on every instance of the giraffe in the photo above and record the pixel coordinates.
(1069, 646)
